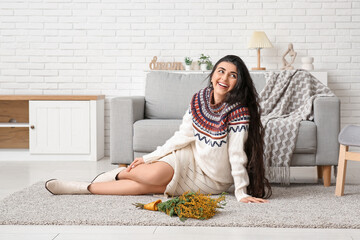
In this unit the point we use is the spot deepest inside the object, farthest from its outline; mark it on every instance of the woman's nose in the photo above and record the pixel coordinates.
(224, 77)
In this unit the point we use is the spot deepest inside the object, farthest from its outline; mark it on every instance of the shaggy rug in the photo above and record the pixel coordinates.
(295, 206)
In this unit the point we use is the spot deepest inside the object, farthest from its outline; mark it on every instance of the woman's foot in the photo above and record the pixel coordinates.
(108, 176)
(58, 187)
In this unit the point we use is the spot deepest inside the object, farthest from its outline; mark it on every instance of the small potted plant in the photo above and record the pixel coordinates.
(205, 62)
(188, 62)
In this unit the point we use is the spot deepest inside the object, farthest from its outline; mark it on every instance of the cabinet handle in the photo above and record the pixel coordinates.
(32, 127)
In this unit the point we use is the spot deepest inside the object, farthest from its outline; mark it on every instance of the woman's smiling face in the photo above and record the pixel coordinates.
(223, 80)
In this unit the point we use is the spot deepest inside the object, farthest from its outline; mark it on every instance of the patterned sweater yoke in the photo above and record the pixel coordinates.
(212, 122)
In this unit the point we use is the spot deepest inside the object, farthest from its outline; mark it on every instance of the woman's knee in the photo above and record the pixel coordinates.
(158, 173)
(162, 173)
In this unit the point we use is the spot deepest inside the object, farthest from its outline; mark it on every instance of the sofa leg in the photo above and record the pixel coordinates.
(326, 173)
(319, 172)
(122, 165)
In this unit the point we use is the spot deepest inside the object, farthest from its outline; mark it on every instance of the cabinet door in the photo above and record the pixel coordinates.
(59, 127)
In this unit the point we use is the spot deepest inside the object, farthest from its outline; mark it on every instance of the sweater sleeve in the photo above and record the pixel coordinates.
(237, 136)
(180, 139)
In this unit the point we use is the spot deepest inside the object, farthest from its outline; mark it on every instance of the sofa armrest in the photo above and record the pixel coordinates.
(124, 111)
(327, 120)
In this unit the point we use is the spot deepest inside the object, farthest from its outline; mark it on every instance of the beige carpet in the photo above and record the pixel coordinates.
(300, 206)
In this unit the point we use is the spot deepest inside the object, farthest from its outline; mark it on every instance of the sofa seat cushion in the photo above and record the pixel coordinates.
(306, 140)
(150, 133)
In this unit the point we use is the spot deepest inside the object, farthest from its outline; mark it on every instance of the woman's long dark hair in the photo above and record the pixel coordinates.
(245, 93)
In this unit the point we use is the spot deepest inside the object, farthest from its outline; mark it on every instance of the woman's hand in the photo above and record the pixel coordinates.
(135, 163)
(253, 200)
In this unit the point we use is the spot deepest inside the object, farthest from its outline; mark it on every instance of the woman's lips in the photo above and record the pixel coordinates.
(223, 85)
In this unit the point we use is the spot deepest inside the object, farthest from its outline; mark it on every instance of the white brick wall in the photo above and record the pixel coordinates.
(104, 46)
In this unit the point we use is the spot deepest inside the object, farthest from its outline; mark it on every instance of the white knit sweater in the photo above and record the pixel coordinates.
(217, 134)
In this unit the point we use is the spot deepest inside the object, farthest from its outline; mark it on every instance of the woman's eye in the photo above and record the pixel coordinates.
(221, 71)
(233, 75)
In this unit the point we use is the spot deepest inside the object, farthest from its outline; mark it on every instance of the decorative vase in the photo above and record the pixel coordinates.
(307, 63)
(187, 67)
(203, 67)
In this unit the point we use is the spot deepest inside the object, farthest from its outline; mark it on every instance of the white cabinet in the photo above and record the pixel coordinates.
(51, 128)
(59, 127)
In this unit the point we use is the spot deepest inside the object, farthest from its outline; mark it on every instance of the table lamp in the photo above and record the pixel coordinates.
(259, 40)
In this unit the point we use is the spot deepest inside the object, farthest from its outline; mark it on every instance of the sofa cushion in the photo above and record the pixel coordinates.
(303, 159)
(150, 133)
(306, 140)
(259, 81)
(168, 95)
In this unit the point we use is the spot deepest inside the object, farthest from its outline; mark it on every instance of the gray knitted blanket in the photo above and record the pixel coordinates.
(286, 100)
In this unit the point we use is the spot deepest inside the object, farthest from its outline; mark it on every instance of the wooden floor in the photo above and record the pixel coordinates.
(14, 176)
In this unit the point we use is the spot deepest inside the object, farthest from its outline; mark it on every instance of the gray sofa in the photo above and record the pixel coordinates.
(139, 124)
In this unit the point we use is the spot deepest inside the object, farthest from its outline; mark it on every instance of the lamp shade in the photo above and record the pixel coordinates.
(259, 40)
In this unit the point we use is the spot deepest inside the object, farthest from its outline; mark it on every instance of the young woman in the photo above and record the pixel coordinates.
(218, 144)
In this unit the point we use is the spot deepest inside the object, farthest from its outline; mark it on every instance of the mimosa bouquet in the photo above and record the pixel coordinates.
(188, 205)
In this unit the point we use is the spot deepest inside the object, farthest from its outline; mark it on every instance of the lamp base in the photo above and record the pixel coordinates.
(256, 68)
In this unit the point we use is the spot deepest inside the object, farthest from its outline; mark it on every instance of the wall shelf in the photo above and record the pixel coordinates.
(322, 76)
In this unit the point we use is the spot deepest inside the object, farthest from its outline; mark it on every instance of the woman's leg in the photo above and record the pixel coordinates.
(158, 174)
(143, 179)
(124, 187)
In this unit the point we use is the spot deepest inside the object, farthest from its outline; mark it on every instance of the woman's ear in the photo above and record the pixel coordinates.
(211, 84)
